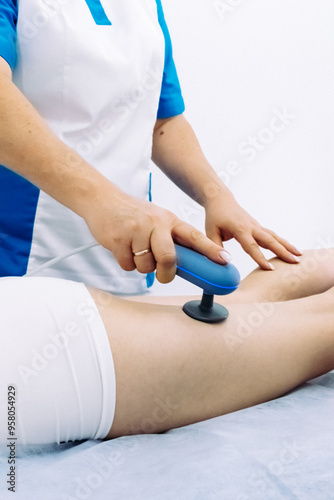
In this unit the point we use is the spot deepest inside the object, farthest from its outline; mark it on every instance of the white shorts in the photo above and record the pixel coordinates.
(57, 379)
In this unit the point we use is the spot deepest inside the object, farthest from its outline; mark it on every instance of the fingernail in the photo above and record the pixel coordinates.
(225, 256)
(295, 258)
(298, 251)
(272, 267)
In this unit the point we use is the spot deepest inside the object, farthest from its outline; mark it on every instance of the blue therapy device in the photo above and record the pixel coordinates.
(213, 278)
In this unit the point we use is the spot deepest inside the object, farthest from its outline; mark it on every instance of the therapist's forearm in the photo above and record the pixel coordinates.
(121, 223)
(177, 152)
(31, 149)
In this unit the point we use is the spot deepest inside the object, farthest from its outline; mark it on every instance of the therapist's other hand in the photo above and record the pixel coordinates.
(126, 225)
(226, 219)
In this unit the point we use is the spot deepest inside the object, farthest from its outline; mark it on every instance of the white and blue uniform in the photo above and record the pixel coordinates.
(100, 73)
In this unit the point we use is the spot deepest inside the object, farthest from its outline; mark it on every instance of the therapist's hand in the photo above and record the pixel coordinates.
(226, 219)
(126, 225)
(177, 152)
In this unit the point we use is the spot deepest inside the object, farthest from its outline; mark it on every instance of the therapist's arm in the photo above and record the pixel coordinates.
(119, 222)
(176, 151)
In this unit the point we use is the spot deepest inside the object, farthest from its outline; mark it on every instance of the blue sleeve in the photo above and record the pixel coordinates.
(8, 19)
(171, 100)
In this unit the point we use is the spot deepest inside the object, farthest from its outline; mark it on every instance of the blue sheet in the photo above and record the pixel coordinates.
(283, 449)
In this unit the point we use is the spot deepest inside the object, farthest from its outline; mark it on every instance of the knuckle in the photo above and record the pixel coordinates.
(241, 229)
(150, 268)
(168, 219)
(170, 215)
(143, 270)
(146, 268)
(117, 242)
(167, 260)
(125, 260)
(269, 231)
(196, 235)
(133, 225)
(269, 241)
(251, 246)
(127, 266)
(117, 238)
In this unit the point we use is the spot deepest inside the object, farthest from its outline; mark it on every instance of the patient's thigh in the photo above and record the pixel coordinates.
(173, 371)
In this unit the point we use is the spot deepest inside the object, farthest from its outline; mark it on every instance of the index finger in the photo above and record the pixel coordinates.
(286, 244)
(270, 241)
(251, 247)
(190, 237)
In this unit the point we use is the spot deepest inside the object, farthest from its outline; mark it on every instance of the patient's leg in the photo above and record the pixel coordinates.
(172, 370)
(313, 275)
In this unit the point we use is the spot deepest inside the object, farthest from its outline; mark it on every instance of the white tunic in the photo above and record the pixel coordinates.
(98, 87)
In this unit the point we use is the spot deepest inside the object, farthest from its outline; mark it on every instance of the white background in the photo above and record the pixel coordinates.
(238, 61)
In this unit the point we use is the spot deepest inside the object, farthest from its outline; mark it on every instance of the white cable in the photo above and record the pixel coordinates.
(54, 261)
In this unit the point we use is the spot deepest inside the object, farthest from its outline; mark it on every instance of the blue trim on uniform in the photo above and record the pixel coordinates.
(8, 20)
(98, 13)
(150, 279)
(18, 204)
(171, 100)
(150, 187)
(151, 276)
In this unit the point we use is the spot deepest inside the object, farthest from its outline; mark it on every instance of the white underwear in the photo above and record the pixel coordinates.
(57, 379)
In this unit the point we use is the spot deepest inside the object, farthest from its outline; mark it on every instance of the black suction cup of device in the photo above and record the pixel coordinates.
(206, 310)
